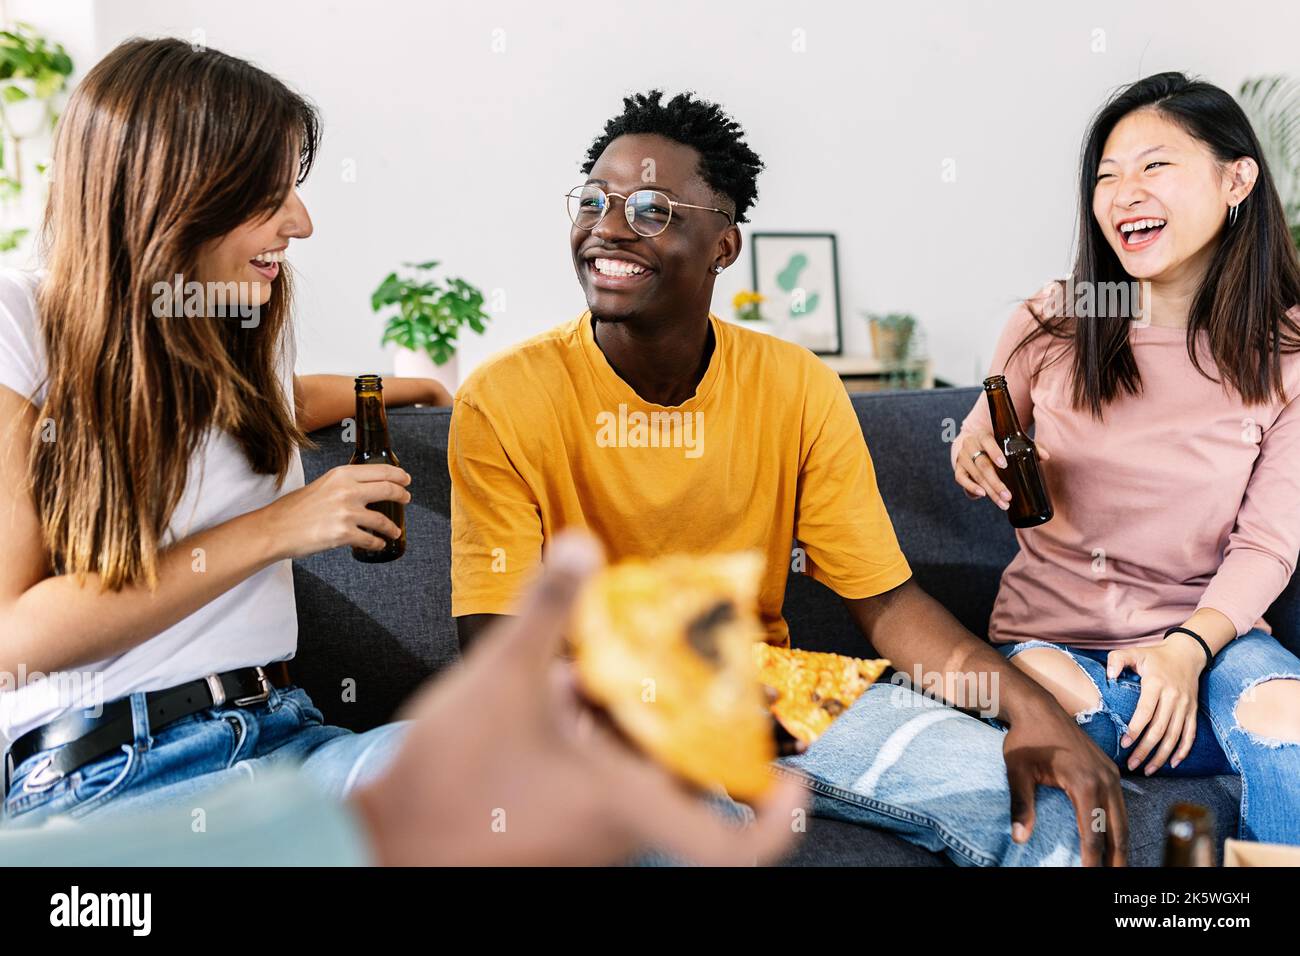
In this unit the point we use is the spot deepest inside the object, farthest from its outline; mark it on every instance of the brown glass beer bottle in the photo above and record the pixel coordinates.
(1189, 836)
(374, 447)
(1030, 504)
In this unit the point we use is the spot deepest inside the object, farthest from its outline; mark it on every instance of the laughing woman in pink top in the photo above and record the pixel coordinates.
(1169, 423)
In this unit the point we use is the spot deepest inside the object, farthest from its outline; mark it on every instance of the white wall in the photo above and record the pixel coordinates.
(462, 153)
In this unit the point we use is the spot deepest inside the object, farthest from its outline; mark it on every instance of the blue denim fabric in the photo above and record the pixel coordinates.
(902, 762)
(189, 757)
(281, 820)
(1269, 768)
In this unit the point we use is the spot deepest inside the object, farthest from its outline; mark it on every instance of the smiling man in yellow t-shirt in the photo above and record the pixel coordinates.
(662, 429)
(548, 435)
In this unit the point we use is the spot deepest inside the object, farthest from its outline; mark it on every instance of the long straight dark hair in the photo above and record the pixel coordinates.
(1253, 280)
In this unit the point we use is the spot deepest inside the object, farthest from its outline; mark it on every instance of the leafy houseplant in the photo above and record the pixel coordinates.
(1273, 105)
(429, 315)
(897, 342)
(891, 337)
(33, 72)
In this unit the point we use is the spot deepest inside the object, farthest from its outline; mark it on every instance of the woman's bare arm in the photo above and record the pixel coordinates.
(328, 399)
(52, 622)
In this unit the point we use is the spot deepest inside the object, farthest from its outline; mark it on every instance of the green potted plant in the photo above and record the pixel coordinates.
(33, 74)
(898, 342)
(33, 71)
(891, 337)
(1273, 105)
(427, 320)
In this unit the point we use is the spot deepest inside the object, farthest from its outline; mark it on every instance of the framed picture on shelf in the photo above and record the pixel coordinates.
(798, 275)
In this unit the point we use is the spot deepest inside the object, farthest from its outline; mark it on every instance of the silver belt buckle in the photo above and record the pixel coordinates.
(261, 696)
(216, 689)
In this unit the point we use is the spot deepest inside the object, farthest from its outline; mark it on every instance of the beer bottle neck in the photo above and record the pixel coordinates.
(1002, 412)
(372, 422)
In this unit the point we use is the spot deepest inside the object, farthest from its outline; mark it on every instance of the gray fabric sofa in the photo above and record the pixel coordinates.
(388, 627)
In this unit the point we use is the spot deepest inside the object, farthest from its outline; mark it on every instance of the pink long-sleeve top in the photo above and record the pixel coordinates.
(1179, 498)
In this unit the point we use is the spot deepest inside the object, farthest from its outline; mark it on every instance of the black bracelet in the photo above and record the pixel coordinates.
(1209, 657)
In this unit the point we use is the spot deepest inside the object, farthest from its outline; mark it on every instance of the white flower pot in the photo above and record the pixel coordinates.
(409, 364)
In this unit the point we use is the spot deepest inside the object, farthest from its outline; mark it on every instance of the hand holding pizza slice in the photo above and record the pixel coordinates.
(673, 650)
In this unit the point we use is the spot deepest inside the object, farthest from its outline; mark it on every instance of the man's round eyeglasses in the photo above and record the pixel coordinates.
(648, 211)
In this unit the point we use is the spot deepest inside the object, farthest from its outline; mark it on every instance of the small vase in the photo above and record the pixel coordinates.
(410, 364)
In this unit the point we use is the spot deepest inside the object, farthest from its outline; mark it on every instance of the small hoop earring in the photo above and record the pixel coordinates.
(717, 270)
(1232, 215)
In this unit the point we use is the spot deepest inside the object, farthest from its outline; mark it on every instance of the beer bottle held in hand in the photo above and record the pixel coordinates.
(1029, 505)
(374, 448)
(1189, 836)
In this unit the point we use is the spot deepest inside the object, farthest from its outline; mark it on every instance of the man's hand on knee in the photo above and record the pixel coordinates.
(1050, 749)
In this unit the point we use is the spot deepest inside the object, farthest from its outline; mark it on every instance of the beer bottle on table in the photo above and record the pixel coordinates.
(374, 447)
(1189, 836)
(1030, 504)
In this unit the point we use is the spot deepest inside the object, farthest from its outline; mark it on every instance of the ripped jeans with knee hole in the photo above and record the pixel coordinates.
(1269, 767)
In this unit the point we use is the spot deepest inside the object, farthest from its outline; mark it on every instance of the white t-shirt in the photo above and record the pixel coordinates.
(254, 622)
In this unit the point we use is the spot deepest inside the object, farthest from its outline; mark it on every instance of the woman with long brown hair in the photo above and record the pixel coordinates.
(151, 491)
(1163, 378)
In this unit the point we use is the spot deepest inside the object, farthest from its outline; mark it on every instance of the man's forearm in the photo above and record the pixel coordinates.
(919, 635)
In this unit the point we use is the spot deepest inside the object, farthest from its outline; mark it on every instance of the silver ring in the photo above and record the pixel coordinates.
(976, 456)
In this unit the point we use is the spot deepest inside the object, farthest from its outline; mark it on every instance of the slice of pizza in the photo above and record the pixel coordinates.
(665, 647)
(812, 688)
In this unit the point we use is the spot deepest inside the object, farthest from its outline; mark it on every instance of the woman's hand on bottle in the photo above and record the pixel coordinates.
(974, 467)
(332, 511)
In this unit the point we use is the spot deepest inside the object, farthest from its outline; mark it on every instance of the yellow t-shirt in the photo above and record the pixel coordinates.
(546, 436)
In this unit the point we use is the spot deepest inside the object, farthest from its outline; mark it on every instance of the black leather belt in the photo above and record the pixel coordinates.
(82, 739)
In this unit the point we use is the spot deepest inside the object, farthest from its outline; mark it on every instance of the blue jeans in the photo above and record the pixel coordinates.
(1269, 768)
(899, 761)
(195, 754)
